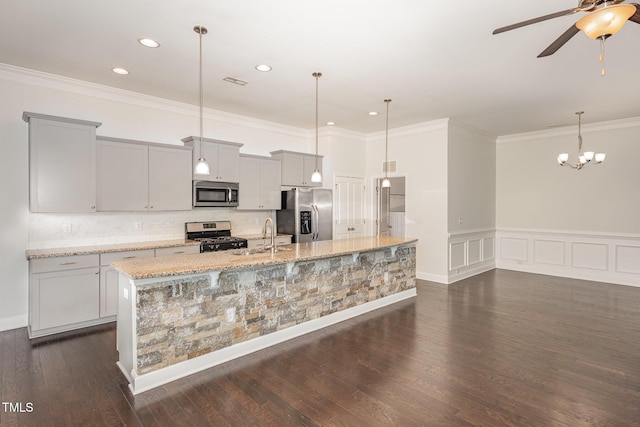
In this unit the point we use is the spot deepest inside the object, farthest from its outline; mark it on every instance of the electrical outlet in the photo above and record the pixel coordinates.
(231, 314)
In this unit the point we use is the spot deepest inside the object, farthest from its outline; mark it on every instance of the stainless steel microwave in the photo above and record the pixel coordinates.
(211, 193)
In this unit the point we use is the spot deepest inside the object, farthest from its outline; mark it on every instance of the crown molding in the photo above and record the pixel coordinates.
(570, 130)
(417, 128)
(52, 81)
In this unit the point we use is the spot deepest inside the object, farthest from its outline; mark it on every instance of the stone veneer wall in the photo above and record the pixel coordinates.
(181, 319)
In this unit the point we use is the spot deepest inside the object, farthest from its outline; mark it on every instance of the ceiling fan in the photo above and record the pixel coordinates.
(604, 19)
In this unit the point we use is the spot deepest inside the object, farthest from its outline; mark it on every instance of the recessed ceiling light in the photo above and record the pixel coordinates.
(373, 113)
(263, 68)
(119, 70)
(331, 123)
(148, 42)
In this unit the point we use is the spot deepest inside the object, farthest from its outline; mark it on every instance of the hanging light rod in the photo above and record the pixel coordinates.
(202, 167)
(316, 176)
(583, 158)
(385, 181)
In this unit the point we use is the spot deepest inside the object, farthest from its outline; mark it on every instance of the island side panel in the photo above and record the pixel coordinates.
(183, 318)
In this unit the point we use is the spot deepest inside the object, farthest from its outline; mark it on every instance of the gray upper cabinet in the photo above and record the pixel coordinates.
(62, 164)
(297, 168)
(223, 158)
(142, 176)
(259, 183)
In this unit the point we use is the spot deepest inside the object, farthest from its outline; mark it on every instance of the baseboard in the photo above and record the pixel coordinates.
(148, 381)
(432, 277)
(471, 272)
(15, 322)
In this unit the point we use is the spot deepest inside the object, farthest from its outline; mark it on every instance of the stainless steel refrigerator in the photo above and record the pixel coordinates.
(306, 214)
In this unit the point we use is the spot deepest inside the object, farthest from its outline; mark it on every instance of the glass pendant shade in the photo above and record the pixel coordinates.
(202, 167)
(386, 182)
(606, 21)
(316, 176)
(600, 157)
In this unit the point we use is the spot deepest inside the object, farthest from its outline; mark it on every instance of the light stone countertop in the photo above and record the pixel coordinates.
(98, 249)
(226, 260)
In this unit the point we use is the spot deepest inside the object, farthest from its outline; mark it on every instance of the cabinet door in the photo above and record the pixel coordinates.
(108, 291)
(249, 195)
(122, 176)
(178, 250)
(169, 179)
(62, 166)
(64, 297)
(349, 207)
(270, 185)
(293, 170)
(228, 163)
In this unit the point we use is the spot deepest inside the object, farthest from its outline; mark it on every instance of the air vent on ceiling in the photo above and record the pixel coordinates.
(235, 81)
(389, 167)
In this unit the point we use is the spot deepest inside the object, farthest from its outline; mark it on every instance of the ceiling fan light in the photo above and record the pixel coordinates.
(606, 21)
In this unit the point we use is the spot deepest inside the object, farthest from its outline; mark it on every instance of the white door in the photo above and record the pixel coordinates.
(349, 207)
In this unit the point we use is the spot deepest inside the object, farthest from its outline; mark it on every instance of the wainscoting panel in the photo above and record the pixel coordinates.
(470, 253)
(612, 258)
(628, 259)
(589, 255)
(549, 252)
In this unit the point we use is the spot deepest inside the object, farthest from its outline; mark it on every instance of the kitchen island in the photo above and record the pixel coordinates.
(182, 314)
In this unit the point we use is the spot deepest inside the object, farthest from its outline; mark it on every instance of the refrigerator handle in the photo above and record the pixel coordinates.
(314, 234)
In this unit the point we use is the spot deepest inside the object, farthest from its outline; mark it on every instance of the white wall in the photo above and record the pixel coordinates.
(124, 115)
(471, 201)
(556, 220)
(420, 153)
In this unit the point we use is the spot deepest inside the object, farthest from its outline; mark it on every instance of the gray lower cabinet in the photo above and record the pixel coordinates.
(72, 292)
(64, 293)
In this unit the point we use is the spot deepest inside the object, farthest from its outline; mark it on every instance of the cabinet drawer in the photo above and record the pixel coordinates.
(108, 258)
(178, 250)
(41, 265)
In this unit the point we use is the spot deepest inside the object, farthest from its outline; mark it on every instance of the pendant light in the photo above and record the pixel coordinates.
(316, 176)
(202, 167)
(385, 181)
(584, 158)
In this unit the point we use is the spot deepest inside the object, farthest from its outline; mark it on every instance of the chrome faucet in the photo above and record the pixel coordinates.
(273, 235)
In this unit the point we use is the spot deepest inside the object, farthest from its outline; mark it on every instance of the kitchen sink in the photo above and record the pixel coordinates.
(256, 251)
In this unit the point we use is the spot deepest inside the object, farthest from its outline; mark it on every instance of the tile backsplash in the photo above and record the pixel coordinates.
(62, 230)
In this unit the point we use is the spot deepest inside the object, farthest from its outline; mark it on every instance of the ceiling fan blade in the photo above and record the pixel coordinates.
(636, 17)
(560, 41)
(536, 20)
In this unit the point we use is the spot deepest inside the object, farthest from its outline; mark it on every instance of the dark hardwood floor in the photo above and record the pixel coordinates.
(499, 349)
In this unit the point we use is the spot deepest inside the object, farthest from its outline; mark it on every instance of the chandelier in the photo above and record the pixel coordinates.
(584, 158)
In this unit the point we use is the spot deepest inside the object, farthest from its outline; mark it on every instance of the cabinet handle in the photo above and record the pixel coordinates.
(93, 207)
(146, 206)
(178, 252)
(151, 206)
(129, 257)
(68, 263)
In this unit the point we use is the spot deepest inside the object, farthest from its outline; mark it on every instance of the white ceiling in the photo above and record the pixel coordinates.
(435, 59)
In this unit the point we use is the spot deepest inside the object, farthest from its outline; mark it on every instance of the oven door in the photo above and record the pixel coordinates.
(211, 194)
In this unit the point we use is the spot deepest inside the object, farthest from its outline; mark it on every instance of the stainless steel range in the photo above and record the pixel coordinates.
(213, 236)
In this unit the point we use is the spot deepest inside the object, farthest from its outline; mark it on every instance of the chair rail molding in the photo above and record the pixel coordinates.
(604, 257)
